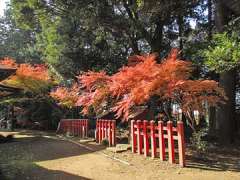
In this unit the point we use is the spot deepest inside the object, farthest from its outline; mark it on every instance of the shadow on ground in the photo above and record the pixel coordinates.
(18, 158)
(41, 174)
(219, 159)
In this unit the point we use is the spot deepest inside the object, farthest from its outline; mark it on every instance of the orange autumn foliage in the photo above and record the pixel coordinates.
(66, 96)
(144, 78)
(8, 62)
(34, 78)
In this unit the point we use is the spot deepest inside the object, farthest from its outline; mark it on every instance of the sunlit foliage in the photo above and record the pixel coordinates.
(144, 78)
(30, 78)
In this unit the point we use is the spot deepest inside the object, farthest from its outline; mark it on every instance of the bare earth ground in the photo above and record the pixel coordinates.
(41, 156)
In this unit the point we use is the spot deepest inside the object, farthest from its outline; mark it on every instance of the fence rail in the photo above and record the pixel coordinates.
(76, 127)
(148, 136)
(106, 129)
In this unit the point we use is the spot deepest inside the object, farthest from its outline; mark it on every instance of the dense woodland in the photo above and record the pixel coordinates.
(75, 36)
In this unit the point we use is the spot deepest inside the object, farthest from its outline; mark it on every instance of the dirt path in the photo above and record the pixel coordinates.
(44, 157)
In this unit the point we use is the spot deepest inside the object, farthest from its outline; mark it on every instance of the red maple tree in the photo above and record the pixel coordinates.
(144, 78)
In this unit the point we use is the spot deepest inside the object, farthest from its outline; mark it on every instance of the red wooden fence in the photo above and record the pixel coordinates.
(106, 129)
(76, 127)
(143, 132)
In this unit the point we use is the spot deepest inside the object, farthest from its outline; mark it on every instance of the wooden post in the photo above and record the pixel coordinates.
(100, 131)
(153, 139)
(133, 136)
(103, 129)
(170, 142)
(81, 129)
(106, 129)
(139, 137)
(161, 140)
(181, 143)
(145, 138)
(110, 133)
(86, 128)
(114, 132)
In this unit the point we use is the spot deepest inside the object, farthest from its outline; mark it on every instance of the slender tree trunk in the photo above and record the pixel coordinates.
(225, 113)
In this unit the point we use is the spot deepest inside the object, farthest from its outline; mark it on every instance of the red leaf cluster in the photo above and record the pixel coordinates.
(29, 77)
(8, 62)
(143, 78)
(66, 96)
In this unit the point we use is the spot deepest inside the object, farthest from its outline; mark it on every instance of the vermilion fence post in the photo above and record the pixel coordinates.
(100, 131)
(110, 132)
(181, 143)
(83, 129)
(139, 137)
(86, 128)
(114, 132)
(80, 128)
(103, 126)
(134, 139)
(161, 140)
(106, 128)
(153, 139)
(145, 138)
(170, 142)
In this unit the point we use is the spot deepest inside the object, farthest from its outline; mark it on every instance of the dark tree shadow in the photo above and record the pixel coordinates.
(39, 173)
(18, 158)
(225, 159)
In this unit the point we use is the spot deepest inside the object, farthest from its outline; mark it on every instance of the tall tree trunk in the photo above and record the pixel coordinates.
(156, 42)
(180, 31)
(225, 113)
(210, 23)
(212, 110)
